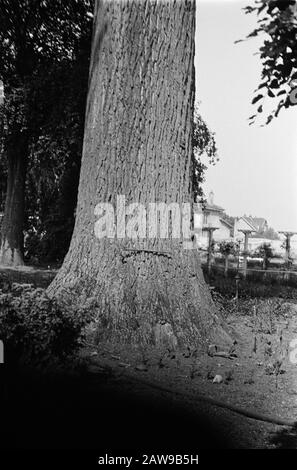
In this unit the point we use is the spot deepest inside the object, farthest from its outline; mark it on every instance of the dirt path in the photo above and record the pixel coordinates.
(261, 378)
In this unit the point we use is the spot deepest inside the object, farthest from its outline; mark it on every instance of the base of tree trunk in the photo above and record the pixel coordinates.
(11, 257)
(144, 298)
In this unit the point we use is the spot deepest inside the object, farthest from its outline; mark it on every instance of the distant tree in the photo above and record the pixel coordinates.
(228, 219)
(204, 150)
(271, 234)
(265, 251)
(227, 248)
(286, 245)
(34, 35)
(268, 233)
(277, 24)
(55, 157)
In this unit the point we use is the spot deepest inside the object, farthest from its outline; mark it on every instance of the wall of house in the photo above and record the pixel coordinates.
(211, 219)
(223, 233)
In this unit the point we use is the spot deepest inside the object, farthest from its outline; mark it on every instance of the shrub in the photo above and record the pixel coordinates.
(265, 251)
(37, 329)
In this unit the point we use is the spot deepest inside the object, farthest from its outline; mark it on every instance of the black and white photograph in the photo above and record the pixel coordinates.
(148, 231)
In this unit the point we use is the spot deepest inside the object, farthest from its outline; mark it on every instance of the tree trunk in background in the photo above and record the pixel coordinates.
(226, 265)
(12, 238)
(138, 143)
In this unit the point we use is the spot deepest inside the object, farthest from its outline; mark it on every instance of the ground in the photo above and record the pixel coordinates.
(135, 399)
(260, 378)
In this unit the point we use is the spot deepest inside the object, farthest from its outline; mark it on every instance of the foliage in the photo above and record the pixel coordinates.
(38, 330)
(228, 248)
(39, 32)
(54, 166)
(277, 24)
(269, 233)
(266, 252)
(204, 145)
(229, 219)
(255, 287)
(44, 62)
(34, 36)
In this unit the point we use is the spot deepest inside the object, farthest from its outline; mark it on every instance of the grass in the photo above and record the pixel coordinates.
(37, 277)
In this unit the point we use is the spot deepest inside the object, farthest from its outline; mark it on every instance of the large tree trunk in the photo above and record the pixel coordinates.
(138, 143)
(12, 238)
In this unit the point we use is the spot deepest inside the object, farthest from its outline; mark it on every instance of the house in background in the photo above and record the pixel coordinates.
(211, 212)
(210, 215)
(260, 224)
(241, 225)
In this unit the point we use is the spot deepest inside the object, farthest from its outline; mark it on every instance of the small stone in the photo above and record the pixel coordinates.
(124, 364)
(94, 353)
(217, 379)
(115, 358)
(141, 368)
(212, 349)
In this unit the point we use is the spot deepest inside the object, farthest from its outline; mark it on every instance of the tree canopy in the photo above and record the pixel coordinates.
(204, 151)
(277, 25)
(36, 31)
(44, 62)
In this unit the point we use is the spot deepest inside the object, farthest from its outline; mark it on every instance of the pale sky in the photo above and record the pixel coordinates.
(257, 172)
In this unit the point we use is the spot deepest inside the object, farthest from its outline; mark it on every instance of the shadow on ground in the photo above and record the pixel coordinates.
(96, 412)
(285, 439)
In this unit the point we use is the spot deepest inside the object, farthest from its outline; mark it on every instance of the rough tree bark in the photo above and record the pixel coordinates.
(12, 238)
(138, 143)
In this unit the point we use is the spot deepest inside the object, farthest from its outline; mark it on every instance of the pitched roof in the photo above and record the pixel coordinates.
(259, 222)
(226, 222)
(213, 207)
(248, 221)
